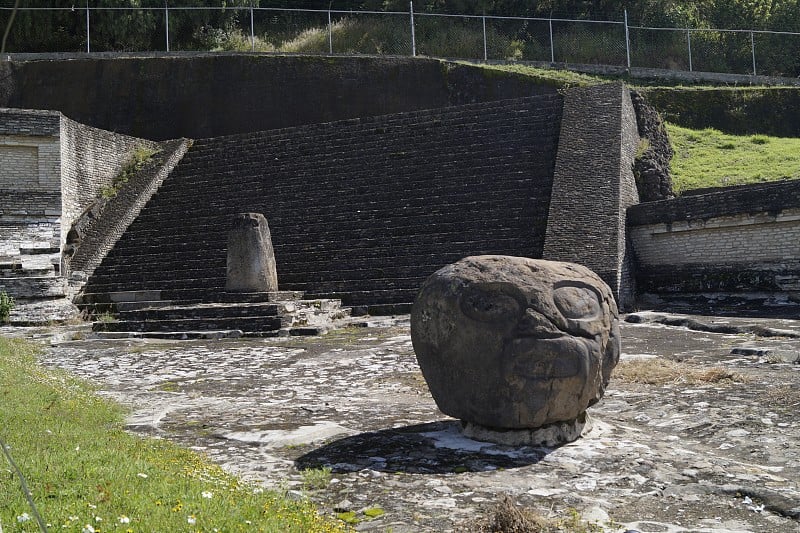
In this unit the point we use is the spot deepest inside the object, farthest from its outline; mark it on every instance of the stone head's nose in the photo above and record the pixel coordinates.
(535, 324)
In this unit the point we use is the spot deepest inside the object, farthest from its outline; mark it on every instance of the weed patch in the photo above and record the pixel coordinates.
(6, 305)
(138, 160)
(666, 372)
(508, 517)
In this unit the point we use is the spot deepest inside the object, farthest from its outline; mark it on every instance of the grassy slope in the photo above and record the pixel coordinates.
(709, 158)
(84, 469)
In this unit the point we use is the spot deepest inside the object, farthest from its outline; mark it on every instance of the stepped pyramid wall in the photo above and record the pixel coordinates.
(361, 209)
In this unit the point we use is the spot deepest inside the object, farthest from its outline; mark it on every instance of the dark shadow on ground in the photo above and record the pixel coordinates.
(432, 448)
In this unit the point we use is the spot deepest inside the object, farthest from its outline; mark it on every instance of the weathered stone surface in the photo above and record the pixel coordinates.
(515, 343)
(660, 457)
(651, 168)
(251, 259)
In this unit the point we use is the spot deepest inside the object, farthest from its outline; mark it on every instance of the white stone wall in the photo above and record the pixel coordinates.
(90, 159)
(30, 163)
(744, 238)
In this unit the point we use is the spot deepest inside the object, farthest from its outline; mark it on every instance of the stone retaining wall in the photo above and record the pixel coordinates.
(207, 95)
(594, 185)
(51, 169)
(90, 159)
(102, 232)
(734, 240)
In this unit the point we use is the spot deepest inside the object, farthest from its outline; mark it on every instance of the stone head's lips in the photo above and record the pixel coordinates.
(544, 359)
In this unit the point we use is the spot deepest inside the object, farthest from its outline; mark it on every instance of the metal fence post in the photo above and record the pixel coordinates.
(88, 47)
(330, 33)
(413, 36)
(552, 50)
(252, 29)
(485, 49)
(166, 23)
(753, 48)
(627, 40)
(689, 43)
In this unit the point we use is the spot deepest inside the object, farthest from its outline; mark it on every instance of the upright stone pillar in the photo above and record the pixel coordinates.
(251, 259)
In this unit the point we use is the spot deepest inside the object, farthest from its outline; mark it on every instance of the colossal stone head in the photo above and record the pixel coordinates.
(515, 343)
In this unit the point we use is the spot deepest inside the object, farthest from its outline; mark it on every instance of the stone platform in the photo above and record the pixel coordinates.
(692, 451)
(218, 315)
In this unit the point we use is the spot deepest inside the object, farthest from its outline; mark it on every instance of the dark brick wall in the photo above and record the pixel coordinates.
(762, 197)
(206, 96)
(29, 122)
(594, 185)
(364, 209)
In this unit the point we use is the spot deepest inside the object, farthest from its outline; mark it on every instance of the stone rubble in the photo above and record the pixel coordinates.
(713, 457)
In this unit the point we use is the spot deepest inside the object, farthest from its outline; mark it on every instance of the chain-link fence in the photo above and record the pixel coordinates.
(601, 42)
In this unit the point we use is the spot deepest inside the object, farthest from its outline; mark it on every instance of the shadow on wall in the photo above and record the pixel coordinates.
(221, 94)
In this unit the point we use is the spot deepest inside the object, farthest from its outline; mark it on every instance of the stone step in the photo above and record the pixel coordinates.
(372, 196)
(354, 181)
(116, 297)
(34, 286)
(258, 297)
(39, 248)
(293, 317)
(258, 323)
(228, 310)
(302, 244)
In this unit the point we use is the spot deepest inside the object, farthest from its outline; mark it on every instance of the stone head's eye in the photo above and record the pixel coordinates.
(487, 304)
(577, 303)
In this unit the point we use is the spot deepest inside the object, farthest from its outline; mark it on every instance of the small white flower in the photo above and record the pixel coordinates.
(191, 519)
(91, 506)
(248, 522)
(87, 529)
(207, 494)
(24, 517)
(142, 475)
(258, 490)
(72, 518)
(77, 448)
(124, 520)
(98, 519)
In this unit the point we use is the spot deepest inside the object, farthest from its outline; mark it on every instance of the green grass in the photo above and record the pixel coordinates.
(710, 158)
(83, 469)
(559, 78)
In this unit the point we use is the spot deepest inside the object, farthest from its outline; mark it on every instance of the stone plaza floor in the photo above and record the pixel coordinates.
(679, 455)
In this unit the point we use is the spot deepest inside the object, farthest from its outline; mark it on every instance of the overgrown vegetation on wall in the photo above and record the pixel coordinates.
(138, 160)
(737, 110)
(6, 305)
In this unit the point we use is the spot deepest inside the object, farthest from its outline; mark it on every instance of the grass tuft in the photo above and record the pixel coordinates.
(509, 517)
(83, 469)
(666, 372)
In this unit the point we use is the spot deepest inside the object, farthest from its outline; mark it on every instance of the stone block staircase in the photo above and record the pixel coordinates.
(30, 260)
(360, 211)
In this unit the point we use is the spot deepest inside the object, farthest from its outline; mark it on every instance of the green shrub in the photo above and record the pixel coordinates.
(139, 158)
(6, 305)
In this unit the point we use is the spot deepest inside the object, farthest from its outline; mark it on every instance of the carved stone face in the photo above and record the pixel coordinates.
(511, 342)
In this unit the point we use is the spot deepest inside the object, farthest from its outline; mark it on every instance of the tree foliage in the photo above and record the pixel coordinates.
(141, 24)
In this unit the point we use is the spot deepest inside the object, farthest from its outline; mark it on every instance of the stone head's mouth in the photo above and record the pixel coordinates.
(543, 359)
